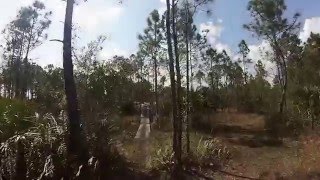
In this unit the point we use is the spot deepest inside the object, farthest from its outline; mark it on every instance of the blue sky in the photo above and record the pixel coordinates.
(234, 14)
(122, 22)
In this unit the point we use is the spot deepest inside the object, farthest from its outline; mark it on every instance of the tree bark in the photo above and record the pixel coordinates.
(76, 144)
(172, 83)
(284, 88)
(21, 166)
(211, 75)
(156, 74)
(179, 89)
(156, 85)
(188, 81)
(284, 74)
(244, 68)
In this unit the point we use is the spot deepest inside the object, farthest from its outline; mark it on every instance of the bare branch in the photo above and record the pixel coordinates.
(57, 40)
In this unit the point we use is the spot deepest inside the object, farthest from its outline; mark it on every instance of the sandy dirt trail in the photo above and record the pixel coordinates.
(142, 140)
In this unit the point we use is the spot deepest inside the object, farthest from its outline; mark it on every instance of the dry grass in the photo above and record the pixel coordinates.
(244, 120)
(309, 154)
(256, 161)
(296, 159)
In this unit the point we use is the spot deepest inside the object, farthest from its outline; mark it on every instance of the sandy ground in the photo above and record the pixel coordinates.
(142, 140)
(144, 129)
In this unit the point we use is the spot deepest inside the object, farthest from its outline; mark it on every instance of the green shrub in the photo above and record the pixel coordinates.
(163, 159)
(128, 109)
(201, 123)
(15, 116)
(290, 123)
(43, 147)
(210, 152)
(275, 125)
(296, 121)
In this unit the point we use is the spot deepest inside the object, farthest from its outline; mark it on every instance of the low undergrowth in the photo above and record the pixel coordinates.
(205, 153)
(40, 152)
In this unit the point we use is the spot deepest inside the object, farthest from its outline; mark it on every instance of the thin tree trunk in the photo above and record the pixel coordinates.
(21, 167)
(156, 74)
(284, 78)
(311, 106)
(284, 88)
(188, 79)
(18, 91)
(76, 144)
(179, 89)
(211, 75)
(244, 69)
(172, 83)
(156, 85)
(191, 68)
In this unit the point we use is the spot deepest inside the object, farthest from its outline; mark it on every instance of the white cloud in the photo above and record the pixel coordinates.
(109, 53)
(236, 57)
(220, 47)
(49, 52)
(214, 31)
(258, 51)
(262, 52)
(90, 17)
(163, 7)
(310, 25)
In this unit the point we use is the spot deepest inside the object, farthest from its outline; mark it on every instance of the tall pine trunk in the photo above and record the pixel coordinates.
(156, 74)
(156, 85)
(284, 75)
(179, 89)
(284, 88)
(173, 84)
(76, 143)
(188, 81)
(21, 167)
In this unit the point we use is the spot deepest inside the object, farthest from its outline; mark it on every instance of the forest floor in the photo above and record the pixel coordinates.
(252, 154)
(256, 155)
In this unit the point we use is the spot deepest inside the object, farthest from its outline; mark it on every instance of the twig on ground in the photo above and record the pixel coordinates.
(192, 172)
(236, 175)
(195, 173)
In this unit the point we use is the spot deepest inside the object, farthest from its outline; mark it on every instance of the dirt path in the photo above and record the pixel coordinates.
(144, 128)
(142, 141)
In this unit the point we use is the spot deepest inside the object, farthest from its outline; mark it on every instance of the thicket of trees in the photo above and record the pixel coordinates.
(175, 69)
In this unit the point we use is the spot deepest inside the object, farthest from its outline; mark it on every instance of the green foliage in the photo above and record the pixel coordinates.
(275, 125)
(15, 117)
(49, 89)
(163, 159)
(45, 151)
(291, 123)
(303, 72)
(128, 109)
(43, 145)
(269, 19)
(25, 33)
(210, 152)
(111, 88)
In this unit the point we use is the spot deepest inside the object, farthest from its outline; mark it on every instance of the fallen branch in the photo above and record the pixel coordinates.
(193, 172)
(236, 175)
(220, 171)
